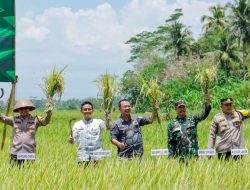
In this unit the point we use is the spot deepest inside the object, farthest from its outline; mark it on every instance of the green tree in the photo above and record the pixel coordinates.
(142, 45)
(129, 86)
(222, 45)
(240, 26)
(171, 40)
(216, 20)
(227, 54)
(176, 37)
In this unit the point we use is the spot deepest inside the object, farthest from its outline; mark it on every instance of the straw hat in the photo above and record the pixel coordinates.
(23, 103)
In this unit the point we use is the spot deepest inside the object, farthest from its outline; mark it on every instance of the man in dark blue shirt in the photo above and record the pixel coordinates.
(126, 131)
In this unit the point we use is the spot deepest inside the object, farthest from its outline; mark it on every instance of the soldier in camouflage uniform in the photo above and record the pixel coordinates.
(182, 132)
(227, 127)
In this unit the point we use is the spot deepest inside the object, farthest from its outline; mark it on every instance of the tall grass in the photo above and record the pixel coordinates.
(56, 165)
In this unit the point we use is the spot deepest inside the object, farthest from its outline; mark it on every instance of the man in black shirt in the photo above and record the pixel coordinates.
(126, 131)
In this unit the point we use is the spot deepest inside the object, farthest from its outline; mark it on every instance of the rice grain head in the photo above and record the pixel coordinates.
(53, 83)
(207, 74)
(107, 86)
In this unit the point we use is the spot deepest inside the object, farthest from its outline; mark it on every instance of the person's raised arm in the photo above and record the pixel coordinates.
(7, 120)
(48, 110)
(149, 119)
(245, 113)
(205, 111)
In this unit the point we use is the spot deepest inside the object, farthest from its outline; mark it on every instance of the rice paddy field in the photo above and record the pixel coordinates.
(56, 165)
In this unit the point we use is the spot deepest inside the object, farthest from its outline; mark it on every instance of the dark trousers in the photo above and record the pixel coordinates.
(20, 163)
(227, 156)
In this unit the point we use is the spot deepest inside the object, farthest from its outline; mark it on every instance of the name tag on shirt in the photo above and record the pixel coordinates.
(159, 152)
(236, 152)
(206, 152)
(102, 153)
(26, 156)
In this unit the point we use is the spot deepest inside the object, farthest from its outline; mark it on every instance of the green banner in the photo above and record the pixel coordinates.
(7, 40)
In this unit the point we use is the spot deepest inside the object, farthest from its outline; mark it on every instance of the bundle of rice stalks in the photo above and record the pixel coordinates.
(54, 84)
(152, 92)
(207, 75)
(108, 88)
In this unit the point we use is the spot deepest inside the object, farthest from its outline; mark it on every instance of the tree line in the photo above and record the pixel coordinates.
(173, 56)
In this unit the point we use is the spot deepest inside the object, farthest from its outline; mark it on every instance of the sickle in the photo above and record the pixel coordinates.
(2, 93)
(70, 125)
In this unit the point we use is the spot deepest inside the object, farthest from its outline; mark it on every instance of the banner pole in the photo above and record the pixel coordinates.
(10, 103)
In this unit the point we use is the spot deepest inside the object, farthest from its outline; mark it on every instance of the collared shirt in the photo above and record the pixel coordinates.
(24, 131)
(129, 133)
(182, 135)
(88, 136)
(226, 132)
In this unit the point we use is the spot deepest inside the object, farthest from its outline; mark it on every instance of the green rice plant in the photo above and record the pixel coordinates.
(108, 87)
(56, 164)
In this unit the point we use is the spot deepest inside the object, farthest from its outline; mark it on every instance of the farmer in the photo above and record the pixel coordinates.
(126, 131)
(182, 131)
(227, 127)
(87, 134)
(24, 130)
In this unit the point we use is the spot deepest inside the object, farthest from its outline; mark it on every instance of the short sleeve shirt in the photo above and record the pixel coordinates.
(129, 133)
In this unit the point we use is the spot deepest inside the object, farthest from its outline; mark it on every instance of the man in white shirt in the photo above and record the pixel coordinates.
(87, 133)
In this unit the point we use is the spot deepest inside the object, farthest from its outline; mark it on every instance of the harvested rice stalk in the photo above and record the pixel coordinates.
(54, 84)
(152, 92)
(207, 75)
(108, 88)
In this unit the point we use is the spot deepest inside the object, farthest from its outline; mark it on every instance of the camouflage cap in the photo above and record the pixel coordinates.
(180, 103)
(23, 103)
(226, 100)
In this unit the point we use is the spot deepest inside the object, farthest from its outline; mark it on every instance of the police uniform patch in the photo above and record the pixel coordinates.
(236, 122)
(223, 125)
(18, 130)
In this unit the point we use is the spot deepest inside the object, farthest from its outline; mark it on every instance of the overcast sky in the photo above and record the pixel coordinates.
(88, 36)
